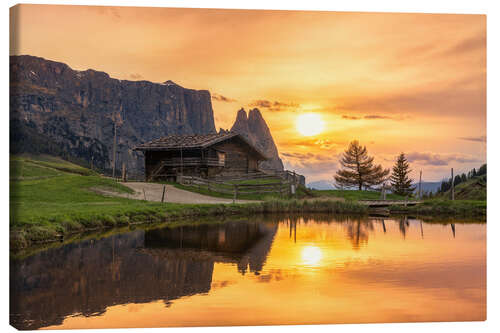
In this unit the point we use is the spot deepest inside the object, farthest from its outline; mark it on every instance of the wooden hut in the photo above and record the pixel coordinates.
(199, 155)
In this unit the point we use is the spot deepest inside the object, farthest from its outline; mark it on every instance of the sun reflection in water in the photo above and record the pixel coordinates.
(311, 255)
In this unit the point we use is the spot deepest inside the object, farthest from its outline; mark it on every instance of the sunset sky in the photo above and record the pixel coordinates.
(413, 83)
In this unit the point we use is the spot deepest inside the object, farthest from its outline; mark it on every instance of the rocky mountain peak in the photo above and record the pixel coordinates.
(255, 129)
(75, 112)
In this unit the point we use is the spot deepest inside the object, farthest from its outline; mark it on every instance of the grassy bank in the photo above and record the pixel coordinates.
(51, 199)
(354, 195)
(444, 207)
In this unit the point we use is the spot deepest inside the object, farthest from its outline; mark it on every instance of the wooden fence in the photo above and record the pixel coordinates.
(277, 187)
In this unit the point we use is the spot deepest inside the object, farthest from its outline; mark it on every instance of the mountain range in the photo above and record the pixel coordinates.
(57, 110)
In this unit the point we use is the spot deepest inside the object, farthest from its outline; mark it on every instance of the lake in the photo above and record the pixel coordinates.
(257, 271)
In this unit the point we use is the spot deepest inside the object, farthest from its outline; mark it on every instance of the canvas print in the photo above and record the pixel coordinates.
(217, 167)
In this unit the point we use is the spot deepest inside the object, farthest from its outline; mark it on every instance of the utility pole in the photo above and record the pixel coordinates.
(452, 186)
(420, 186)
(114, 149)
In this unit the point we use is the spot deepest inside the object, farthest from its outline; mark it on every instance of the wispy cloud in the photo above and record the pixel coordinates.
(136, 76)
(429, 158)
(326, 144)
(221, 98)
(481, 138)
(474, 43)
(273, 106)
(374, 117)
(350, 117)
(460, 98)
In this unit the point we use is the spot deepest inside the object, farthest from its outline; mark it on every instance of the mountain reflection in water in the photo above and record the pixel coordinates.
(308, 265)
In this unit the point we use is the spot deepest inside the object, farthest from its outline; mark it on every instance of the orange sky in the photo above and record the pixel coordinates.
(397, 82)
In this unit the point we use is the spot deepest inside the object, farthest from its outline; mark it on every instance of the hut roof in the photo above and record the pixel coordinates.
(195, 141)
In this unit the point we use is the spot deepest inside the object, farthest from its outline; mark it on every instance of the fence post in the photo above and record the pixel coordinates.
(163, 195)
(144, 192)
(235, 193)
(452, 186)
(124, 172)
(420, 186)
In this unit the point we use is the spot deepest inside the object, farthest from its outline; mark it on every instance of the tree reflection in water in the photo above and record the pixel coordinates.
(85, 278)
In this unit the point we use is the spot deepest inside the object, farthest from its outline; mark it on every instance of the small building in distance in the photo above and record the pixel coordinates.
(202, 156)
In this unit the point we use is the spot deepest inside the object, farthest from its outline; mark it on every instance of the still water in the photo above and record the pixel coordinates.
(272, 270)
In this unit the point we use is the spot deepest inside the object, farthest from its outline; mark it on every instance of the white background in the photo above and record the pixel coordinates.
(491, 8)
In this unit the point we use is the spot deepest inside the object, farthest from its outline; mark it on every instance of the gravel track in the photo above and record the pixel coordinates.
(172, 194)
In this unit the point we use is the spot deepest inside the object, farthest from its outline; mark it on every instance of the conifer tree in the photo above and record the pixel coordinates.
(400, 182)
(358, 169)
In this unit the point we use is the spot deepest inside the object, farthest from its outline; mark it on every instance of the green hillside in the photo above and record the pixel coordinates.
(50, 197)
(472, 189)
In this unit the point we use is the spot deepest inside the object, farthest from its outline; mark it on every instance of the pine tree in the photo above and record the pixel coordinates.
(400, 182)
(482, 170)
(358, 169)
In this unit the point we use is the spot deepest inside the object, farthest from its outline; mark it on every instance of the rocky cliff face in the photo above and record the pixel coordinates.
(255, 129)
(73, 113)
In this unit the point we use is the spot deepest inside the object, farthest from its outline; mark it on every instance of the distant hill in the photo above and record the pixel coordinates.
(428, 187)
(321, 185)
(472, 189)
(328, 185)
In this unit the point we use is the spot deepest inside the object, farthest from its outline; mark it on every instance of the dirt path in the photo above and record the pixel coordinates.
(172, 194)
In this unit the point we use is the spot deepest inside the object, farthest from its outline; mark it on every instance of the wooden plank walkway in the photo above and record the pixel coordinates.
(387, 203)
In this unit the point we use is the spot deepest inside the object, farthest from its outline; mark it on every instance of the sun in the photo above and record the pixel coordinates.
(309, 124)
(311, 255)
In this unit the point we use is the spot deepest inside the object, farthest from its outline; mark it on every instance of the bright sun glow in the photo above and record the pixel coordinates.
(311, 255)
(309, 124)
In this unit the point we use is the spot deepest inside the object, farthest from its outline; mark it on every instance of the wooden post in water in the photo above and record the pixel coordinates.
(452, 186)
(163, 195)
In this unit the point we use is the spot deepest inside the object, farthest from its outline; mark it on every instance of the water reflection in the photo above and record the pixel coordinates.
(199, 275)
(139, 267)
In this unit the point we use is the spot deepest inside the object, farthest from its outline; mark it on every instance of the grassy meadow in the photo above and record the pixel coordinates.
(353, 195)
(51, 198)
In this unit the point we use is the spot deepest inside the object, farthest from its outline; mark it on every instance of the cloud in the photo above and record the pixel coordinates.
(350, 117)
(136, 76)
(481, 138)
(221, 98)
(273, 106)
(326, 144)
(376, 116)
(462, 98)
(439, 159)
(477, 42)
(315, 166)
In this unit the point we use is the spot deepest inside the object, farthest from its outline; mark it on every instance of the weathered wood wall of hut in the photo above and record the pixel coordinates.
(240, 158)
(154, 158)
